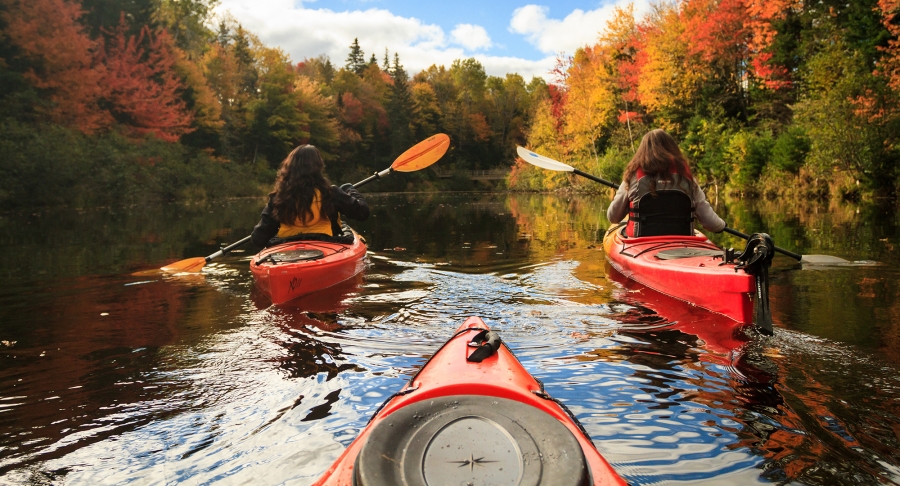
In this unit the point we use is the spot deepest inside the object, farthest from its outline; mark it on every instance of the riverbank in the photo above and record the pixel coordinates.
(45, 165)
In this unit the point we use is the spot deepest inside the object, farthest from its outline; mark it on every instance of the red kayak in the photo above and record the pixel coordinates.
(290, 270)
(688, 268)
(472, 415)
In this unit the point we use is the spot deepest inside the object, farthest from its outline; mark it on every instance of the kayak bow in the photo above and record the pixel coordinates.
(472, 415)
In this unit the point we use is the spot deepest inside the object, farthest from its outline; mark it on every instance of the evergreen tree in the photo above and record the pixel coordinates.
(356, 61)
(400, 108)
(386, 63)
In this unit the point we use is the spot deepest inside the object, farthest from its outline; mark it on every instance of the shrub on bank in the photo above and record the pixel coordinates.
(46, 165)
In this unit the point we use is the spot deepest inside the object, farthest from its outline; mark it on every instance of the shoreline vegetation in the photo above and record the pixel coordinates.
(110, 103)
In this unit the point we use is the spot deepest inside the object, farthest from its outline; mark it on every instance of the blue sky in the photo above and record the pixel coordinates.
(505, 36)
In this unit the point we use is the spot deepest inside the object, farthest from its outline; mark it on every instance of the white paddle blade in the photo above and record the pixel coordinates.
(541, 161)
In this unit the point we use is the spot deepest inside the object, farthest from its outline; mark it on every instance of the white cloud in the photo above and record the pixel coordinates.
(577, 29)
(305, 32)
(472, 37)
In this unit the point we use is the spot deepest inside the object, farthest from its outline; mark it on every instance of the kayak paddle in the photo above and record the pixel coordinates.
(419, 156)
(550, 164)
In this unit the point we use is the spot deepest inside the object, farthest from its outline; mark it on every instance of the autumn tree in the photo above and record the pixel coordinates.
(318, 117)
(275, 123)
(232, 73)
(670, 80)
(890, 68)
(141, 87)
(592, 104)
(185, 20)
(510, 113)
(57, 57)
(844, 111)
(427, 112)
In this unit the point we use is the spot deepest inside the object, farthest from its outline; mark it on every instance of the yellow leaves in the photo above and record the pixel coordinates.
(591, 99)
(620, 29)
(670, 77)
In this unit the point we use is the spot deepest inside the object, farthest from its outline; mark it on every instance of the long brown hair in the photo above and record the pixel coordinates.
(298, 178)
(657, 156)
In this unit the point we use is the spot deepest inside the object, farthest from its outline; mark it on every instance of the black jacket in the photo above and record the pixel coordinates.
(349, 204)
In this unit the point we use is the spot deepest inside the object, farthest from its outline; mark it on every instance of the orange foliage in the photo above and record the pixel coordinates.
(480, 127)
(772, 75)
(142, 87)
(716, 30)
(64, 59)
(761, 13)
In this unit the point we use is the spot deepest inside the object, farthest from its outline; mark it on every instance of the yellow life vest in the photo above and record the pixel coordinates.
(319, 223)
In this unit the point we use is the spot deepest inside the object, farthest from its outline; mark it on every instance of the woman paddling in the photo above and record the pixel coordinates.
(658, 193)
(305, 205)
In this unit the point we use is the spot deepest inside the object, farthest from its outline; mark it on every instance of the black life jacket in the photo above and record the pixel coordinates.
(667, 212)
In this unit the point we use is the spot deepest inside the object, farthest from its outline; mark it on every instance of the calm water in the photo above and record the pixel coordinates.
(107, 377)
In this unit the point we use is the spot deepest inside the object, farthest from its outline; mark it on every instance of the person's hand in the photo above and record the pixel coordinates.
(346, 187)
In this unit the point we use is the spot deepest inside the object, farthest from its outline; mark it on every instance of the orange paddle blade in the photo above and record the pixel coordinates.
(191, 265)
(422, 154)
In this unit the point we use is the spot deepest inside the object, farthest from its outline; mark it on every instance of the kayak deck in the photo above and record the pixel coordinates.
(688, 268)
(290, 270)
(485, 422)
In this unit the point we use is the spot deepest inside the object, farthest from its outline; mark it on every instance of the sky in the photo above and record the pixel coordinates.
(505, 36)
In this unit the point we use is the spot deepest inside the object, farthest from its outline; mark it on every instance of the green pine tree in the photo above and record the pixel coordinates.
(400, 108)
(356, 61)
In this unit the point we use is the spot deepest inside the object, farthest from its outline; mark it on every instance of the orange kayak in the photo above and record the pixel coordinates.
(472, 415)
(290, 270)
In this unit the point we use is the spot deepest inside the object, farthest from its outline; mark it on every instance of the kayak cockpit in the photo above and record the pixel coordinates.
(471, 439)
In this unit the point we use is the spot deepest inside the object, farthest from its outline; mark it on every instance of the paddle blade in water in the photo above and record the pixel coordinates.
(422, 154)
(541, 161)
(191, 265)
(824, 261)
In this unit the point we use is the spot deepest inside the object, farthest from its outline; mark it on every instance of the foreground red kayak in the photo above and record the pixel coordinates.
(290, 270)
(472, 415)
(693, 269)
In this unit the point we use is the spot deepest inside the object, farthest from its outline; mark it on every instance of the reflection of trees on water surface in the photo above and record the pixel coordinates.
(815, 404)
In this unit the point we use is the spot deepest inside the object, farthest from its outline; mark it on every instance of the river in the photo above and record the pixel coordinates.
(112, 372)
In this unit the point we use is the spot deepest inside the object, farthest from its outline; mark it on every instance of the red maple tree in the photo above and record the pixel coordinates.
(141, 86)
(63, 62)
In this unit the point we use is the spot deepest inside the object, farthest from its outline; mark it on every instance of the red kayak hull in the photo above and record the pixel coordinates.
(283, 282)
(448, 373)
(703, 281)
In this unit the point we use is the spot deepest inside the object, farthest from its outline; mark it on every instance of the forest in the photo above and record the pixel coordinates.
(110, 102)
(769, 98)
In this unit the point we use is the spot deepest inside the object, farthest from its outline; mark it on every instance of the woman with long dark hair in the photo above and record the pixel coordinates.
(305, 205)
(659, 194)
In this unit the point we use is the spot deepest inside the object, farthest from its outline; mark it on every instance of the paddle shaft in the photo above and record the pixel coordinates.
(377, 175)
(727, 229)
(595, 178)
(228, 248)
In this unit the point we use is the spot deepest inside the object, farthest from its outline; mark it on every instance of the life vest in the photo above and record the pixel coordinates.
(668, 212)
(319, 223)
